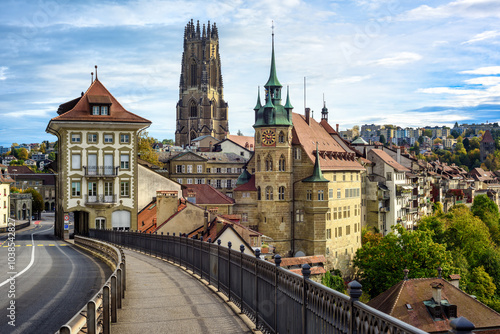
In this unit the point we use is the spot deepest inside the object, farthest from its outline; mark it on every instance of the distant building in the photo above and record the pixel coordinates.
(487, 145)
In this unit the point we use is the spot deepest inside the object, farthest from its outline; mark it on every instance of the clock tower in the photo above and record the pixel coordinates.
(273, 162)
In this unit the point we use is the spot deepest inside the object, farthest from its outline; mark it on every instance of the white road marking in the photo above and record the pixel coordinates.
(31, 262)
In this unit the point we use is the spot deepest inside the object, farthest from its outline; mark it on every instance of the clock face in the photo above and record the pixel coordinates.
(268, 137)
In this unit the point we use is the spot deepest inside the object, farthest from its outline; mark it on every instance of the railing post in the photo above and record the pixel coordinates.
(218, 265)
(209, 257)
(113, 299)
(242, 249)
(201, 251)
(162, 245)
(461, 326)
(65, 330)
(355, 291)
(122, 267)
(277, 261)
(119, 288)
(106, 325)
(91, 318)
(306, 272)
(257, 255)
(229, 244)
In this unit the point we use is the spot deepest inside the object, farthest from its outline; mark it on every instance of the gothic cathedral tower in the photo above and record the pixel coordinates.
(273, 161)
(201, 109)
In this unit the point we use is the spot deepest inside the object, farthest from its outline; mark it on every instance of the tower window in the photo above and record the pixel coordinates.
(269, 193)
(281, 137)
(194, 111)
(281, 164)
(281, 193)
(193, 74)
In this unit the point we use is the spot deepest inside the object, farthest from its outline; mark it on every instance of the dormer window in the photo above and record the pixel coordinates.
(104, 110)
(95, 110)
(99, 104)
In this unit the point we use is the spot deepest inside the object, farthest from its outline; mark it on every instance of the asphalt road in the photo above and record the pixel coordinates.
(55, 280)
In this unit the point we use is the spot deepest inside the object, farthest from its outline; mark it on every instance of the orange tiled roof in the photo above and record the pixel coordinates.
(206, 194)
(389, 160)
(294, 261)
(487, 138)
(148, 217)
(247, 142)
(97, 93)
(314, 271)
(332, 155)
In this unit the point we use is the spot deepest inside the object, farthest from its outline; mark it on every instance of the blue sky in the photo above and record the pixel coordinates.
(410, 63)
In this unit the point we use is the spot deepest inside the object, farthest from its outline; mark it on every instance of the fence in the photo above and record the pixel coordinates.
(101, 310)
(275, 299)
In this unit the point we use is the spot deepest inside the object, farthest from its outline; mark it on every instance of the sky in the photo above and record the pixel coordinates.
(408, 63)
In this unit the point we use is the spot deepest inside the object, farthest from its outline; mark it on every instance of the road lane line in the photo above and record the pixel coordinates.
(31, 262)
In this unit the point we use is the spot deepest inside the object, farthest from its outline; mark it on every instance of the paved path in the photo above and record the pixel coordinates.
(162, 298)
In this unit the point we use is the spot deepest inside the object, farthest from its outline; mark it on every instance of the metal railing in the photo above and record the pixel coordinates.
(101, 310)
(100, 171)
(100, 199)
(275, 299)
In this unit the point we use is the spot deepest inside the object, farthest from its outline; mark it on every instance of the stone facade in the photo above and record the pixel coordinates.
(201, 109)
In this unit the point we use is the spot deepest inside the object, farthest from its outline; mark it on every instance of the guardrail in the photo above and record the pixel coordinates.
(101, 310)
(275, 299)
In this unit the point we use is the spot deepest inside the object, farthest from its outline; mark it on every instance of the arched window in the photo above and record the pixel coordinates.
(281, 165)
(269, 193)
(258, 163)
(193, 73)
(193, 110)
(299, 215)
(269, 163)
(281, 137)
(281, 193)
(259, 194)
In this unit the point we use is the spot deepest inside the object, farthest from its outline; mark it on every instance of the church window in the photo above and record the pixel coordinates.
(282, 163)
(269, 163)
(281, 193)
(258, 163)
(193, 73)
(259, 194)
(193, 110)
(281, 137)
(269, 193)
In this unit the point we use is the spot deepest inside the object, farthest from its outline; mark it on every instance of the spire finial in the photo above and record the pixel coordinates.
(96, 72)
(91, 77)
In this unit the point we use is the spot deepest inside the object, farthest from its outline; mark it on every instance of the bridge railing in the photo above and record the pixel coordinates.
(275, 299)
(101, 310)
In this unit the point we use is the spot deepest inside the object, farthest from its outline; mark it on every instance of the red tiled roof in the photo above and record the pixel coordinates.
(243, 141)
(314, 271)
(415, 291)
(389, 160)
(487, 138)
(332, 155)
(249, 186)
(206, 194)
(97, 92)
(328, 128)
(294, 261)
(148, 217)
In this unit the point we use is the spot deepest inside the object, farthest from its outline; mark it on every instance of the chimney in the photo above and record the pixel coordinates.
(205, 222)
(455, 280)
(219, 225)
(337, 127)
(436, 292)
(308, 111)
(398, 155)
(406, 271)
(166, 205)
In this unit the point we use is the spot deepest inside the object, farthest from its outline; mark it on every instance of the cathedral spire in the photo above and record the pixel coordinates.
(288, 105)
(324, 111)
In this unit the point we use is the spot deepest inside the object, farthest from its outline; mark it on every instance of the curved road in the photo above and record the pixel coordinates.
(55, 280)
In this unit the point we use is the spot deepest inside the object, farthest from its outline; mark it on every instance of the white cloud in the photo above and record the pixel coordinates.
(398, 59)
(490, 70)
(484, 81)
(483, 36)
(474, 9)
(353, 79)
(3, 69)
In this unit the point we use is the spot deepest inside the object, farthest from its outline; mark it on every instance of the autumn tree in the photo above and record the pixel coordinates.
(37, 204)
(146, 151)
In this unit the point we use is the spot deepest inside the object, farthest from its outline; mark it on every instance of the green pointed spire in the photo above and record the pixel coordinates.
(288, 105)
(317, 176)
(273, 78)
(258, 105)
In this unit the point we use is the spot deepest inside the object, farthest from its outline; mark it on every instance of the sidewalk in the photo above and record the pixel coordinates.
(162, 298)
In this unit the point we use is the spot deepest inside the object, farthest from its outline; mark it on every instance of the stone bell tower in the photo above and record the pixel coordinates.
(201, 109)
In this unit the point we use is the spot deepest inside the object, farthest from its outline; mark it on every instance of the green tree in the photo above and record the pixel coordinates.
(487, 210)
(168, 142)
(42, 148)
(381, 261)
(333, 282)
(382, 139)
(22, 154)
(239, 133)
(428, 133)
(474, 143)
(481, 284)
(37, 204)
(52, 156)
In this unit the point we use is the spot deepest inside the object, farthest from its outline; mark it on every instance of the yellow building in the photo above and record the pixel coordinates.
(5, 182)
(305, 188)
(96, 161)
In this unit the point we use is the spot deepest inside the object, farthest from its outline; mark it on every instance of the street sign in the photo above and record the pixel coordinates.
(66, 226)
(66, 218)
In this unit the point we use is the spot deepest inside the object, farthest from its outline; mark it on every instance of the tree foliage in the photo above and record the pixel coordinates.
(146, 151)
(37, 204)
(381, 261)
(334, 282)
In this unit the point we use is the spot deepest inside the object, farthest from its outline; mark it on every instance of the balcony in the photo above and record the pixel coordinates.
(100, 200)
(384, 209)
(100, 171)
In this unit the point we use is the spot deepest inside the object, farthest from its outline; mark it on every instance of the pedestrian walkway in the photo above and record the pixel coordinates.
(162, 298)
